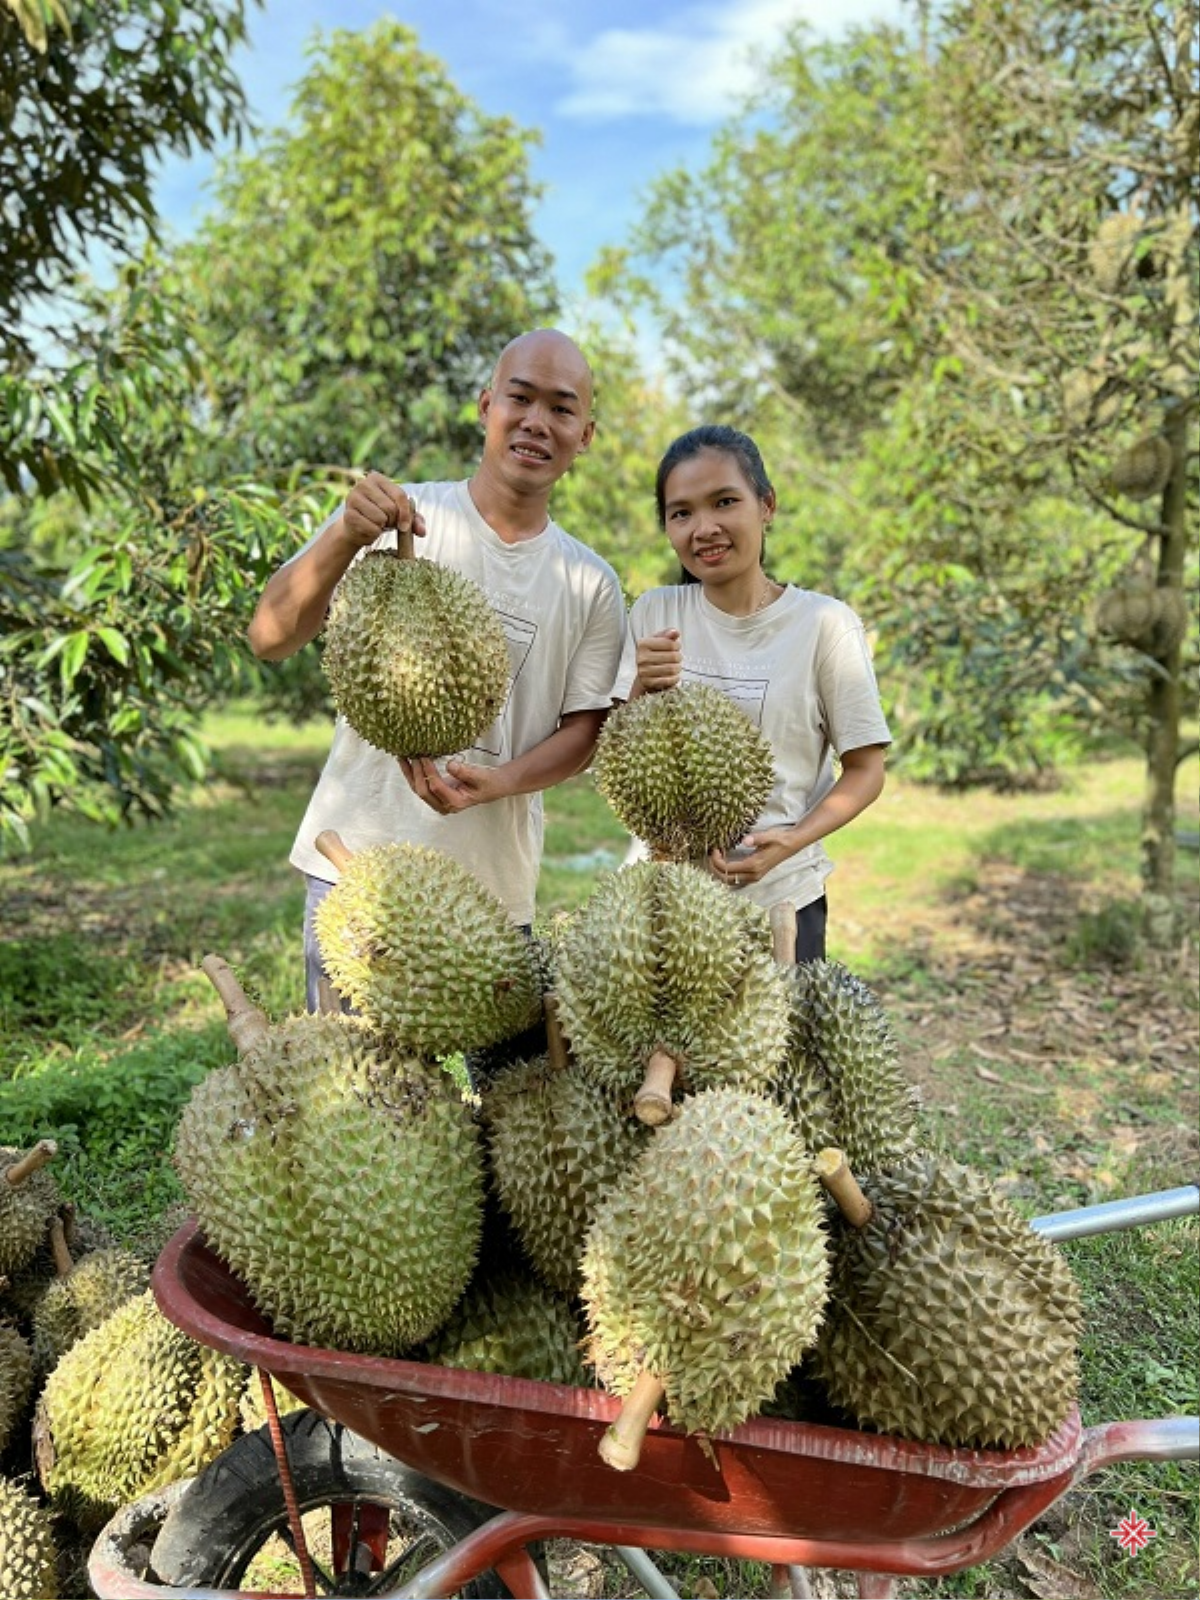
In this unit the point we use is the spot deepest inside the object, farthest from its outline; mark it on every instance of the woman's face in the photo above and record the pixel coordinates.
(714, 518)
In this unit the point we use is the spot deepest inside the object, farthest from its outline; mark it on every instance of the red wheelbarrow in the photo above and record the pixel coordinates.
(507, 1462)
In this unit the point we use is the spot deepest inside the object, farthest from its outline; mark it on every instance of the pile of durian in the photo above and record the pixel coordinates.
(695, 1176)
(101, 1399)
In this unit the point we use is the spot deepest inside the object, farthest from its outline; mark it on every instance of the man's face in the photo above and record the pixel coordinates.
(537, 412)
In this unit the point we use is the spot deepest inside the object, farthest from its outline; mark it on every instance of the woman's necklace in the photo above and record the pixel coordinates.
(771, 592)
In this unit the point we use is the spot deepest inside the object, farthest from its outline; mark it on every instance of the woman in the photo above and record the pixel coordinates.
(796, 662)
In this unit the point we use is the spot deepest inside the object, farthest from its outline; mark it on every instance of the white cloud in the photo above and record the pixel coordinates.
(696, 68)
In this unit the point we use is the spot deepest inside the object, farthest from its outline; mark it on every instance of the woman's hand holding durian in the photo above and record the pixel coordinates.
(659, 663)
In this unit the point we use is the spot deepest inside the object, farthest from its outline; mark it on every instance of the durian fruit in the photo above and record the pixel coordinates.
(685, 770)
(28, 1200)
(416, 658)
(28, 1557)
(557, 1143)
(705, 1269)
(1145, 615)
(510, 1323)
(83, 1294)
(951, 1321)
(317, 1127)
(1142, 469)
(840, 1081)
(27, 1286)
(666, 981)
(1111, 250)
(16, 1381)
(423, 951)
(134, 1405)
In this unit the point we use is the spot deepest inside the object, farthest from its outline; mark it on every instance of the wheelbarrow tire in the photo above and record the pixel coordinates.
(233, 1507)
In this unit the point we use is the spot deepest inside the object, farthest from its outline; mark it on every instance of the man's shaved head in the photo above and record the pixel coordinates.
(547, 341)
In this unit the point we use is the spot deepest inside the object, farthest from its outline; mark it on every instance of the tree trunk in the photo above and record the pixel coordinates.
(1162, 711)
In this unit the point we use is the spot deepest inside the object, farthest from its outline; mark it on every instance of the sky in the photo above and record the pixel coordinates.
(621, 90)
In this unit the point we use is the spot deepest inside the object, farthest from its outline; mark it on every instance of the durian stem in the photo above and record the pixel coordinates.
(64, 1265)
(329, 843)
(32, 1161)
(406, 547)
(832, 1168)
(652, 1102)
(556, 1044)
(247, 1024)
(783, 933)
(329, 999)
(621, 1446)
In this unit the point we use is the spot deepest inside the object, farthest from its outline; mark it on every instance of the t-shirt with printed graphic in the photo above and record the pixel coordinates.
(801, 671)
(561, 608)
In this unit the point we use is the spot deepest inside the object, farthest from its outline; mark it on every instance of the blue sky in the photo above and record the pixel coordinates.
(621, 91)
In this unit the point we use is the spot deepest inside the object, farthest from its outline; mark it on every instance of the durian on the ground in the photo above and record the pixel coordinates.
(134, 1405)
(28, 1556)
(666, 984)
(424, 951)
(29, 1199)
(317, 1126)
(416, 658)
(705, 1269)
(685, 770)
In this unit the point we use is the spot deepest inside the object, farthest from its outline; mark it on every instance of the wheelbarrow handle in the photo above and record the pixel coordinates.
(1111, 1215)
(1148, 1439)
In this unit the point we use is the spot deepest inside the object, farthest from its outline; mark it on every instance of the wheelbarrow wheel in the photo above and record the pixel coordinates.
(369, 1521)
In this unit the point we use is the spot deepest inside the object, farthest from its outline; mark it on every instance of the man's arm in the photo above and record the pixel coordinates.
(293, 605)
(566, 752)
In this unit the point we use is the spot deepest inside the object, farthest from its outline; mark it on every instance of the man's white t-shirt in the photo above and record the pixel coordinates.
(562, 610)
(801, 671)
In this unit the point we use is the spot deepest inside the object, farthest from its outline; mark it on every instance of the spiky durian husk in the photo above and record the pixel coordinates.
(74, 1305)
(425, 952)
(134, 1405)
(662, 956)
(557, 1144)
(950, 1321)
(707, 1265)
(16, 1380)
(28, 1559)
(840, 1081)
(1141, 471)
(285, 1153)
(511, 1324)
(417, 660)
(685, 770)
(26, 1209)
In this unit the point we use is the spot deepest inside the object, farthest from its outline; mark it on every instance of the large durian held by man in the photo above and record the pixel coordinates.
(416, 658)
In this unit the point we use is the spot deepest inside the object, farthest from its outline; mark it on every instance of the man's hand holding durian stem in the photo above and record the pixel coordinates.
(621, 1445)
(659, 663)
(375, 504)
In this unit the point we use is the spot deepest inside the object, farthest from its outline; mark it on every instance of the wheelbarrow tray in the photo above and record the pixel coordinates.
(531, 1447)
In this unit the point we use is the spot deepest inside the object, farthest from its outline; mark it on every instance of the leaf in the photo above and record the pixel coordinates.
(75, 650)
(116, 643)
(1054, 1580)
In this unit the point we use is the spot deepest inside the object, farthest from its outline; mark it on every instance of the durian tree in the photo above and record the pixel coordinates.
(1070, 132)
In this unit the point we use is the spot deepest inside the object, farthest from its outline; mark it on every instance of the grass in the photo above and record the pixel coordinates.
(1050, 1052)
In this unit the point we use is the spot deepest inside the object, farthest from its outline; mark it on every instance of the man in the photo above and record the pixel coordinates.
(559, 603)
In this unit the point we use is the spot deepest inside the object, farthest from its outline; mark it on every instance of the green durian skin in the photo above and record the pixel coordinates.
(840, 1080)
(513, 1325)
(28, 1559)
(73, 1305)
(16, 1381)
(417, 660)
(685, 770)
(662, 956)
(133, 1406)
(556, 1143)
(26, 1210)
(708, 1265)
(319, 1127)
(425, 952)
(951, 1320)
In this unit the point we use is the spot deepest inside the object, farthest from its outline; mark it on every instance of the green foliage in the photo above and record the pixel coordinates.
(364, 267)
